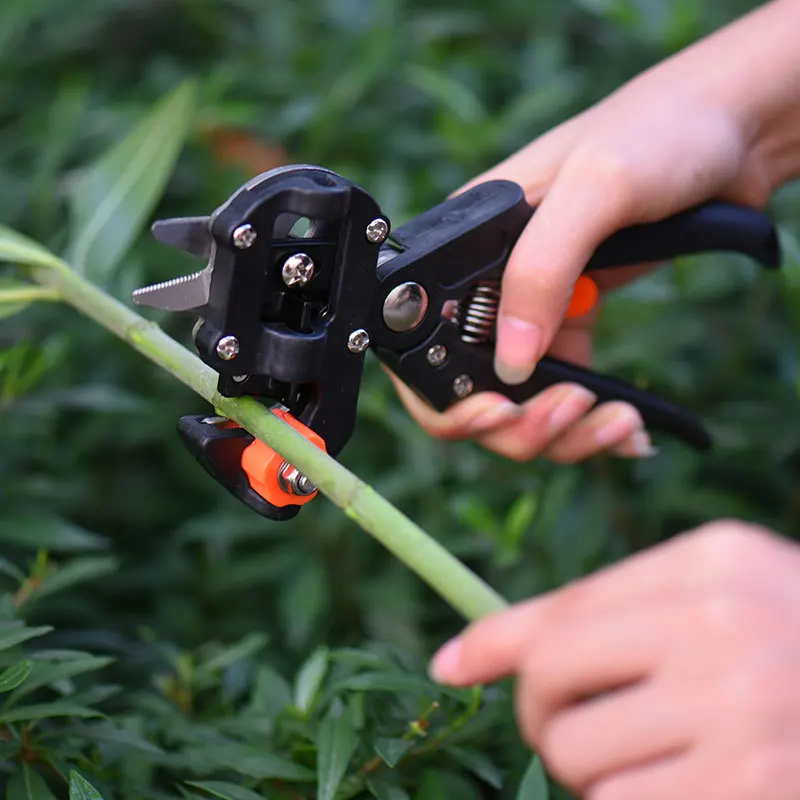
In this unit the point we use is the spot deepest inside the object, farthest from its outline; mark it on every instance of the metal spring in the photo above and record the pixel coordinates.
(478, 313)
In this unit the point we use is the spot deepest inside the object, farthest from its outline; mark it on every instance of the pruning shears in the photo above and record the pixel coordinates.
(304, 275)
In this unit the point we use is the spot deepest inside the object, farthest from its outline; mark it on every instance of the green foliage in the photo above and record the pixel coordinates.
(155, 636)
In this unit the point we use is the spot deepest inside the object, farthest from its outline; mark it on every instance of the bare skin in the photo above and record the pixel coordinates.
(672, 674)
(708, 123)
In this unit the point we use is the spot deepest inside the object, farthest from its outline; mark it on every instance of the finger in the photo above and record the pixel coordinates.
(578, 212)
(564, 664)
(468, 417)
(545, 417)
(614, 732)
(612, 426)
(494, 647)
(670, 778)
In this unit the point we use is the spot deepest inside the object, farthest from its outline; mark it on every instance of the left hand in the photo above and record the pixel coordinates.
(671, 675)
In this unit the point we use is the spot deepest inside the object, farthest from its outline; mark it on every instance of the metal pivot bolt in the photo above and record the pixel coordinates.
(293, 481)
(244, 236)
(378, 230)
(405, 307)
(463, 386)
(436, 355)
(297, 270)
(358, 341)
(228, 348)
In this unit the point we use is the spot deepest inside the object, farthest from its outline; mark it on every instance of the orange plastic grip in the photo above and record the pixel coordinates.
(584, 297)
(261, 464)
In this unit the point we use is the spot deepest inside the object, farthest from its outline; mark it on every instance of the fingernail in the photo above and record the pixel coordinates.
(574, 405)
(624, 424)
(444, 665)
(518, 343)
(502, 412)
(639, 446)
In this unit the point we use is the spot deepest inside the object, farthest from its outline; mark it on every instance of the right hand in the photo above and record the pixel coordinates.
(668, 140)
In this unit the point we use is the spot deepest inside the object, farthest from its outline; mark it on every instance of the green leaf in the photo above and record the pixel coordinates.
(37, 530)
(534, 785)
(386, 791)
(246, 648)
(115, 196)
(392, 750)
(336, 744)
(47, 711)
(18, 249)
(46, 674)
(27, 784)
(73, 573)
(227, 791)
(309, 679)
(12, 635)
(13, 676)
(81, 789)
(478, 764)
(255, 762)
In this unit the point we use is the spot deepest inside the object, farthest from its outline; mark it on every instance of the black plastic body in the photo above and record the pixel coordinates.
(294, 341)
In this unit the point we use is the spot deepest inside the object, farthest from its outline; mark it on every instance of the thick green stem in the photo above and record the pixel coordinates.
(444, 573)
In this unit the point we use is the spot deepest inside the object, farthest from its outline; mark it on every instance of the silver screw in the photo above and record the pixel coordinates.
(228, 348)
(358, 341)
(463, 386)
(378, 230)
(293, 481)
(436, 355)
(244, 236)
(297, 270)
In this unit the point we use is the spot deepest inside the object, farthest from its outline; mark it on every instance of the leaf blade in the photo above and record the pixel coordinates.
(116, 194)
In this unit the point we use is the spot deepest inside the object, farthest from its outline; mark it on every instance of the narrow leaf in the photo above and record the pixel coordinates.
(18, 249)
(12, 636)
(337, 744)
(27, 784)
(227, 791)
(255, 762)
(13, 676)
(73, 573)
(46, 674)
(81, 789)
(309, 680)
(534, 785)
(392, 750)
(46, 711)
(37, 530)
(116, 195)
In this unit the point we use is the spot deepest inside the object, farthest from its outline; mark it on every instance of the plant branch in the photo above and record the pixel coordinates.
(445, 574)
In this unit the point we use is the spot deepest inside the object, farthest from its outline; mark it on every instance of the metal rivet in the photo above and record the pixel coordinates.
(297, 270)
(378, 230)
(358, 341)
(293, 481)
(463, 386)
(244, 236)
(228, 348)
(436, 355)
(405, 307)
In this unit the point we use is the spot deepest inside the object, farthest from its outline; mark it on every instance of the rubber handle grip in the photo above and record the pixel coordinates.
(715, 226)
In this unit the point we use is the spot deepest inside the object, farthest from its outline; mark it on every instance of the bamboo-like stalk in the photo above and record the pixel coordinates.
(444, 573)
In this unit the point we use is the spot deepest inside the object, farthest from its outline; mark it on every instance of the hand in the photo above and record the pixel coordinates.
(682, 133)
(671, 675)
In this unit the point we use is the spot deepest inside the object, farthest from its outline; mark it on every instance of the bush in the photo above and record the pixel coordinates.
(162, 641)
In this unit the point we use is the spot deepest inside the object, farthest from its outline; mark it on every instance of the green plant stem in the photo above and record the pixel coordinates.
(33, 294)
(444, 573)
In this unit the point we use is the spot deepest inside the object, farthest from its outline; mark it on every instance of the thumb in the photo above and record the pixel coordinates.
(583, 207)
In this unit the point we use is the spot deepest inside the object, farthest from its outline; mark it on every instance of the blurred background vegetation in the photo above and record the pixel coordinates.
(175, 610)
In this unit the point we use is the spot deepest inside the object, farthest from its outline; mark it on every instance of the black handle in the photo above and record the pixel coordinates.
(715, 226)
